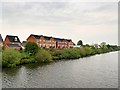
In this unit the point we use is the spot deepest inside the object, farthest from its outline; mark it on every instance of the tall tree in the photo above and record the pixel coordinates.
(80, 43)
(31, 48)
(103, 44)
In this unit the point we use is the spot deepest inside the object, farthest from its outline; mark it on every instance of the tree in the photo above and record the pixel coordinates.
(87, 45)
(43, 56)
(31, 48)
(108, 46)
(96, 45)
(10, 58)
(80, 43)
(103, 44)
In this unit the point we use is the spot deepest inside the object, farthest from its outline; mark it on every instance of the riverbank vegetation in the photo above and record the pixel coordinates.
(35, 54)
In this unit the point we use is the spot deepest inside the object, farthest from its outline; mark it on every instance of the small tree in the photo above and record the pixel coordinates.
(10, 58)
(80, 43)
(103, 44)
(108, 46)
(43, 56)
(31, 48)
(96, 45)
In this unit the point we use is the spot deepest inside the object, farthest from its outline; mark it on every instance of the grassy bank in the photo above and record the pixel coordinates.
(34, 54)
(75, 53)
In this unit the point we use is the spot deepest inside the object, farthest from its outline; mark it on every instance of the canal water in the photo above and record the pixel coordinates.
(99, 71)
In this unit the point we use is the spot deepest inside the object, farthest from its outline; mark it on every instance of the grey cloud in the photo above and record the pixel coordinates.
(70, 20)
(59, 12)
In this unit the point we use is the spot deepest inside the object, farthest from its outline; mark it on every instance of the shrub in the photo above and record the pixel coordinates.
(0, 59)
(26, 61)
(10, 58)
(93, 51)
(82, 52)
(24, 55)
(43, 56)
(0, 49)
(26, 58)
(72, 53)
(99, 50)
(57, 54)
(3, 48)
(31, 48)
(88, 51)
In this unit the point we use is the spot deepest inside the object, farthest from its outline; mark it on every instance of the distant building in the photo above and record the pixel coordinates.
(50, 42)
(12, 42)
(15, 46)
(96, 46)
(24, 43)
(70, 43)
(1, 41)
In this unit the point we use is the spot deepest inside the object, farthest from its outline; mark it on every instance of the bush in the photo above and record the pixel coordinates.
(26, 58)
(88, 51)
(31, 48)
(0, 59)
(26, 61)
(43, 56)
(10, 58)
(72, 53)
(24, 55)
(82, 52)
(56, 54)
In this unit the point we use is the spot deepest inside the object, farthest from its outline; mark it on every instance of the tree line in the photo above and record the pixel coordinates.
(34, 54)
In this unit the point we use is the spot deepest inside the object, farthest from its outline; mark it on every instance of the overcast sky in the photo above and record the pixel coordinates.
(91, 22)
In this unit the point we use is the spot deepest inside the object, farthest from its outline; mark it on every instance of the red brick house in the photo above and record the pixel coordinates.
(59, 42)
(70, 43)
(12, 42)
(64, 43)
(50, 42)
(14, 46)
(1, 41)
(42, 41)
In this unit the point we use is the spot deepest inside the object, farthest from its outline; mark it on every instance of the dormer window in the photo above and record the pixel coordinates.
(15, 39)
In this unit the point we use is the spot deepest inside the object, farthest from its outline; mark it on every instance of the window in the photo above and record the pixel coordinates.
(15, 38)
